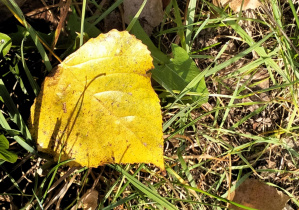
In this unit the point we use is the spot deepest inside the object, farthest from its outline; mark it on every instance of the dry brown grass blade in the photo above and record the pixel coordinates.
(46, 8)
(17, 166)
(280, 29)
(59, 196)
(64, 191)
(151, 15)
(68, 173)
(182, 181)
(204, 156)
(183, 137)
(174, 191)
(65, 5)
(24, 175)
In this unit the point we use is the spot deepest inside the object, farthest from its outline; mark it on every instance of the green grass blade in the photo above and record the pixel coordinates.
(11, 132)
(237, 184)
(147, 191)
(32, 82)
(46, 179)
(218, 197)
(13, 181)
(294, 12)
(293, 198)
(38, 201)
(120, 202)
(257, 111)
(238, 56)
(107, 12)
(201, 27)
(185, 168)
(229, 104)
(252, 65)
(13, 111)
(189, 23)
(135, 18)
(178, 21)
(126, 184)
(109, 191)
(3, 122)
(82, 23)
(24, 144)
(36, 39)
(181, 113)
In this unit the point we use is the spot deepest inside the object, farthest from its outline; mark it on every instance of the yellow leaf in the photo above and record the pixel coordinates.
(99, 107)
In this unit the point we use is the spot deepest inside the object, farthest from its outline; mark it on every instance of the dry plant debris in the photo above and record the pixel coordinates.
(95, 107)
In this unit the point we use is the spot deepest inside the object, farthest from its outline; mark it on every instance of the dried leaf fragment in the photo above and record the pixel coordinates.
(235, 5)
(255, 194)
(151, 15)
(89, 201)
(99, 107)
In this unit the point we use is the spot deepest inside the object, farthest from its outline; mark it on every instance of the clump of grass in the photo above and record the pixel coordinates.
(247, 128)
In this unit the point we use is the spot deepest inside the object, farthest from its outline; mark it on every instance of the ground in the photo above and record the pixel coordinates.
(247, 128)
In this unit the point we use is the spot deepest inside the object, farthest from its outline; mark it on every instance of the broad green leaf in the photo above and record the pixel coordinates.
(98, 106)
(4, 153)
(5, 44)
(179, 71)
(173, 73)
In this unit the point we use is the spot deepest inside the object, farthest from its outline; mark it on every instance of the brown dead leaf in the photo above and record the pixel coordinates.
(235, 5)
(64, 7)
(165, 3)
(114, 21)
(150, 17)
(89, 200)
(255, 194)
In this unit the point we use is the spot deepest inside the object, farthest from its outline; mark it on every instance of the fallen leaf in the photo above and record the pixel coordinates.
(165, 3)
(151, 15)
(99, 107)
(89, 200)
(255, 194)
(235, 5)
(113, 21)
